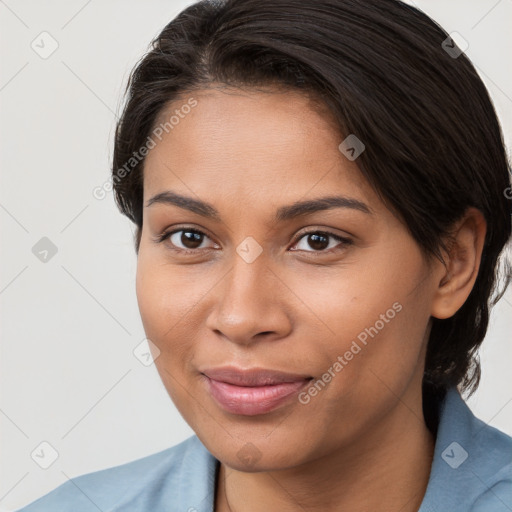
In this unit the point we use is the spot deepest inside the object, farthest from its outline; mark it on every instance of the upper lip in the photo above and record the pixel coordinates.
(252, 376)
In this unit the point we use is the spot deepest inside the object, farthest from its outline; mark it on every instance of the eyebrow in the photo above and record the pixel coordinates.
(283, 213)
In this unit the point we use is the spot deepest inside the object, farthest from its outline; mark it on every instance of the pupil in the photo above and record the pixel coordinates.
(191, 242)
(316, 244)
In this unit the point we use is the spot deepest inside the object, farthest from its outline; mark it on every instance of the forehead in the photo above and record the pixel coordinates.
(249, 142)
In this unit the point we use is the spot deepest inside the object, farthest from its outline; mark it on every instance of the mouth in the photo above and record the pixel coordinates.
(253, 391)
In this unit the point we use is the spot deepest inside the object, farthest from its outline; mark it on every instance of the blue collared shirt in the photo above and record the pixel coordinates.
(471, 472)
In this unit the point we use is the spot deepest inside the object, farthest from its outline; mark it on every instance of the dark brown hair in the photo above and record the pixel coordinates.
(434, 146)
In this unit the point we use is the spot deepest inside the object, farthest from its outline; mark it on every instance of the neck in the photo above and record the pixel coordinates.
(387, 468)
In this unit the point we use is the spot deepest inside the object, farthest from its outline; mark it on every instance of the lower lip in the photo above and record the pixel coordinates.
(250, 401)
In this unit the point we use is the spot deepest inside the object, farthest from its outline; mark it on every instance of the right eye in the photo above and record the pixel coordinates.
(189, 239)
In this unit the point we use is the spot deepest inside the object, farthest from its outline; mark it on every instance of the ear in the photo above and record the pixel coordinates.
(462, 263)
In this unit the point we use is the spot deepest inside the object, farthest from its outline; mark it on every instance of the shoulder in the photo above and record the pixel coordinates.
(498, 495)
(472, 466)
(493, 469)
(137, 485)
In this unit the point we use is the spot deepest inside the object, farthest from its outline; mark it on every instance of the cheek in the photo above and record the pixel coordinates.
(163, 307)
(377, 315)
(164, 302)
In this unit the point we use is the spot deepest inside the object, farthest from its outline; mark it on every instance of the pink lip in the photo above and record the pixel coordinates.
(254, 391)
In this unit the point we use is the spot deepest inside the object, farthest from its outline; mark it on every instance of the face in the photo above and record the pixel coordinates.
(337, 292)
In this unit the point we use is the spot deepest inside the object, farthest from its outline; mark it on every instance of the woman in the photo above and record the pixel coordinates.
(321, 194)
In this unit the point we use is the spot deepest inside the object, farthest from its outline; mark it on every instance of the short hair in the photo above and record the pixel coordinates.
(387, 73)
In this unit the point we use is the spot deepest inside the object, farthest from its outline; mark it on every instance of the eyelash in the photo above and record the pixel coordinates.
(345, 242)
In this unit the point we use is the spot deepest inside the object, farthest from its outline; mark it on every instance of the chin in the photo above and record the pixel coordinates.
(254, 453)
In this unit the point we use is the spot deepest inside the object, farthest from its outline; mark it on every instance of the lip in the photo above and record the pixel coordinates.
(252, 376)
(252, 391)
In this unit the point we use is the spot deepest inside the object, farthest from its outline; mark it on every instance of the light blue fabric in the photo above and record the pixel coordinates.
(471, 472)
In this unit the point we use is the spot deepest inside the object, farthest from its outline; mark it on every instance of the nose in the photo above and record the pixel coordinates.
(249, 304)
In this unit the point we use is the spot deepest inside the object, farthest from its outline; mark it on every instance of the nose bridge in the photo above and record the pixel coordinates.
(246, 302)
(246, 286)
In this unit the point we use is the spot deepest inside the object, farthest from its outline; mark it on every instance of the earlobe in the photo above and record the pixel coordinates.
(462, 264)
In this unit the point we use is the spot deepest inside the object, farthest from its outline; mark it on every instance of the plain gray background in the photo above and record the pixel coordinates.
(69, 325)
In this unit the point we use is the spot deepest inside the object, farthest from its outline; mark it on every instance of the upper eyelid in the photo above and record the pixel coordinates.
(167, 234)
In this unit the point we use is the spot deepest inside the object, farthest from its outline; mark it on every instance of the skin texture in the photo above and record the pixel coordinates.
(361, 443)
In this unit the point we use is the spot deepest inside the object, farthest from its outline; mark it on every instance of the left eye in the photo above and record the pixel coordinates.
(319, 241)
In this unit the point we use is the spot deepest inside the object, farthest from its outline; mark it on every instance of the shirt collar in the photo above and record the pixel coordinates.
(467, 458)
